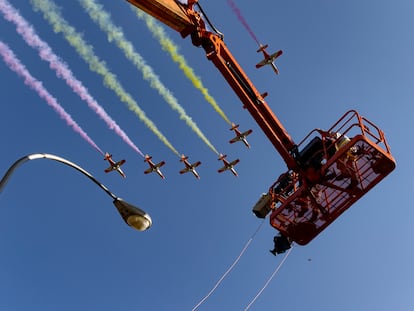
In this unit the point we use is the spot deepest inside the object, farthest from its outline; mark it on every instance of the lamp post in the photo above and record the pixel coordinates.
(132, 215)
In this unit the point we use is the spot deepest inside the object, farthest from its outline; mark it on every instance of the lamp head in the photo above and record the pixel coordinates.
(133, 216)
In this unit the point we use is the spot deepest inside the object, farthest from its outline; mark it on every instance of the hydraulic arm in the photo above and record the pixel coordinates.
(328, 171)
(170, 12)
(184, 19)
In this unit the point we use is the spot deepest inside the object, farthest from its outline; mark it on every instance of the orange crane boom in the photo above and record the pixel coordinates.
(184, 19)
(170, 12)
(328, 171)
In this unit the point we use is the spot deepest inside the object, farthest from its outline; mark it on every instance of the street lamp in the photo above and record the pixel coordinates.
(132, 215)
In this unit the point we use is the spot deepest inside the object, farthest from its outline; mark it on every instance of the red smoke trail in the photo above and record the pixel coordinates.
(14, 64)
(45, 52)
(242, 20)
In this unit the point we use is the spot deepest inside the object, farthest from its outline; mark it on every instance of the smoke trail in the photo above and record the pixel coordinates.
(103, 19)
(61, 69)
(60, 25)
(14, 64)
(242, 20)
(168, 45)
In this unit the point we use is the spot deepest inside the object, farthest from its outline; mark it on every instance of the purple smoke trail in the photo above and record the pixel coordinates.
(242, 20)
(14, 64)
(45, 52)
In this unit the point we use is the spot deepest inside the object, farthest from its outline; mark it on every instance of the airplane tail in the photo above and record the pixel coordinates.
(262, 48)
(222, 157)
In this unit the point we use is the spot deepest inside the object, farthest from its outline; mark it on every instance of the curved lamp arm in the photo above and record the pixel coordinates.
(132, 215)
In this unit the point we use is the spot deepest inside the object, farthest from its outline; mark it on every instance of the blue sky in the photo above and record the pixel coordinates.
(63, 245)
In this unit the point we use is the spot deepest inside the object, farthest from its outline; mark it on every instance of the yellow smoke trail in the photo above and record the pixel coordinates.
(103, 19)
(60, 25)
(168, 45)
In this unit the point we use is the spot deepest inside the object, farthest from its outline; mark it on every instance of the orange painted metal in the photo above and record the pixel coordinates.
(187, 21)
(336, 175)
(328, 171)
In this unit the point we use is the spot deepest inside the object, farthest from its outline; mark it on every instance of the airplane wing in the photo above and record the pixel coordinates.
(185, 170)
(235, 162)
(276, 55)
(262, 63)
(224, 168)
(189, 168)
(149, 170)
(119, 163)
(160, 164)
(240, 137)
(109, 169)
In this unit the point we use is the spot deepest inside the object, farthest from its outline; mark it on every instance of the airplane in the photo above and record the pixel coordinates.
(239, 135)
(228, 165)
(189, 167)
(153, 167)
(115, 166)
(268, 59)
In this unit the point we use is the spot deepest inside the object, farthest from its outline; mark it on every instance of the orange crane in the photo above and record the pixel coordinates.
(328, 170)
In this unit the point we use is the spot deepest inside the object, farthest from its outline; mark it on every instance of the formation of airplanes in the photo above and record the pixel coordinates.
(189, 167)
(114, 166)
(268, 58)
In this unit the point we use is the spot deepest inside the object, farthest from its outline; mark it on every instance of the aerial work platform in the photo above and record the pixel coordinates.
(338, 167)
(328, 171)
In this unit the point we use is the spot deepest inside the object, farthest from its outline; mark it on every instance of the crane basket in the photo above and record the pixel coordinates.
(337, 167)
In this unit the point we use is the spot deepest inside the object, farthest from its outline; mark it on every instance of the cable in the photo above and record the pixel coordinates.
(210, 23)
(269, 280)
(229, 269)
